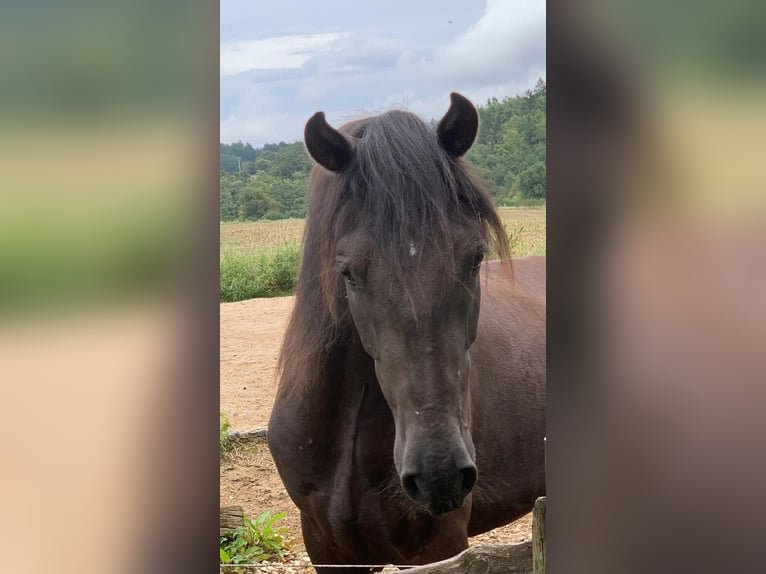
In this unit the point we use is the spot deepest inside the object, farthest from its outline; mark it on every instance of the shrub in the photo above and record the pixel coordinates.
(257, 541)
(262, 274)
(516, 200)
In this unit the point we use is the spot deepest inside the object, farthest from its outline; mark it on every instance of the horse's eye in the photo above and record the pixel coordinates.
(345, 272)
(477, 259)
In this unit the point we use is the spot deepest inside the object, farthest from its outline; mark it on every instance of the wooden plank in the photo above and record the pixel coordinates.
(538, 536)
(485, 559)
(230, 518)
(260, 433)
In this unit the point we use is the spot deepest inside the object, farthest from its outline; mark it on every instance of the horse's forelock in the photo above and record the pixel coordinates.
(403, 187)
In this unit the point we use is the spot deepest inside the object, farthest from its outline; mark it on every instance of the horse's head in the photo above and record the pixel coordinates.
(408, 241)
(419, 339)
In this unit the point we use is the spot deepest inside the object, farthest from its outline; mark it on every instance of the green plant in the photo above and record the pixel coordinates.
(266, 273)
(257, 541)
(223, 432)
(516, 200)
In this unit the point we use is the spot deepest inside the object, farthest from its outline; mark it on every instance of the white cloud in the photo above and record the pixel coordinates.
(507, 44)
(266, 128)
(270, 87)
(279, 52)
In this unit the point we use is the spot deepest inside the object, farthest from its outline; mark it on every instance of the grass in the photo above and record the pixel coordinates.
(258, 540)
(233, 449)
(224, 444)
(261, 258)
(266, 272)
(255, 236)
(223, 430)
(526, 230)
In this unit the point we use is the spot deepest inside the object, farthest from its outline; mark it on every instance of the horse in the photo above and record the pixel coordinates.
(410, 410)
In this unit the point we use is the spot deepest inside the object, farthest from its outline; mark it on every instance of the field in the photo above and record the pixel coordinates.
(262, 258)
(259, 236)
(526, 229)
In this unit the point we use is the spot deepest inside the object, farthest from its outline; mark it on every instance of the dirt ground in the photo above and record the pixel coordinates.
(251, 335)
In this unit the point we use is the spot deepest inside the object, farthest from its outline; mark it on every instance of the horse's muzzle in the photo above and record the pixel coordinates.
(440, 490)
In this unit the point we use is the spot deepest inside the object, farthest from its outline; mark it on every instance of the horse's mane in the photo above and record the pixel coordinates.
(401, 186)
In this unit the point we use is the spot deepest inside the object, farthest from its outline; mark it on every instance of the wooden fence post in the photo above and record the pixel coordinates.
(231, 518)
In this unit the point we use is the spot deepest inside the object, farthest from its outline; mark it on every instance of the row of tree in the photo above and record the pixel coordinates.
(510, 149)
(270, 182)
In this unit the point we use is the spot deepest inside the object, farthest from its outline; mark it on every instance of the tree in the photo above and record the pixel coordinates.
(229, 163)
(511, 139)
(532, 181)
(270, 182)
(255, 200)
(290, 159)
(230, 188)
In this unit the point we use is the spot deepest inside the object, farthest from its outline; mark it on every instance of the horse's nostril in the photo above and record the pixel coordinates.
(410, 486)
(469, 479)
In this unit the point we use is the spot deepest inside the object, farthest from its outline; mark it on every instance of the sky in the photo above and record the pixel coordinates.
(283, 60)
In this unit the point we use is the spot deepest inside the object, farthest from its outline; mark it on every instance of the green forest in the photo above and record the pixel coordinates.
(270, 182)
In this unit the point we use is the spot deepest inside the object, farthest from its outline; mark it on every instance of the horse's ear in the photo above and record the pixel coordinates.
(457, 129)
(330, 148)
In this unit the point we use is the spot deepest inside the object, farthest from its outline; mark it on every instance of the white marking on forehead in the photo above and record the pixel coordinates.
(413, 249)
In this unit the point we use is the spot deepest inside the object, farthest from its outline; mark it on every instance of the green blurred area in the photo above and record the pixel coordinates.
(58, 262)
(84, 61)
(700, 41)
(101, 171)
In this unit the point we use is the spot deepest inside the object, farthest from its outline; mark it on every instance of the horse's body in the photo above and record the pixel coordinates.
(345, 442)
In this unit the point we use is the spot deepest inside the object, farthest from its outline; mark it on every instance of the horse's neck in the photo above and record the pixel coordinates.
(348, 370)
(360, 427)
(348, 387)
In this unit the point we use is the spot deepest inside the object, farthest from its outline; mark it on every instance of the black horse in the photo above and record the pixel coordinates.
(411, 407)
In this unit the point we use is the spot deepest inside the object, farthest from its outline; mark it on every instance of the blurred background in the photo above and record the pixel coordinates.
(108, 285)
(657, 315)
